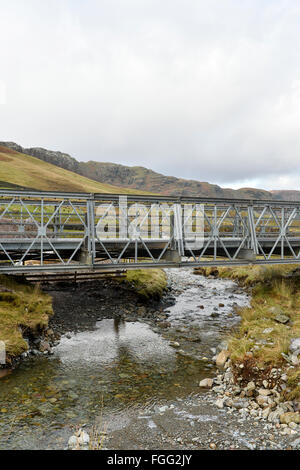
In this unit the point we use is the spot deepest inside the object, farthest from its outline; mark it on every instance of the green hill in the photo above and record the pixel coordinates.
(137, 178)
(20, 171)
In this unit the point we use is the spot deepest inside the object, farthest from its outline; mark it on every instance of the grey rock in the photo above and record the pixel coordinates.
(294, 345)
(296, 443)
(282, 319)
(240, 403)
(206, 383)
(267, 331)
(79, 441)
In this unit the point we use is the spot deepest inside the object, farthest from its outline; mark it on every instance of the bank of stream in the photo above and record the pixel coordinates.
(130, 368)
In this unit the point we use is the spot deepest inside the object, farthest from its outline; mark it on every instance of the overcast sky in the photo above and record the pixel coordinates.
(201, 89)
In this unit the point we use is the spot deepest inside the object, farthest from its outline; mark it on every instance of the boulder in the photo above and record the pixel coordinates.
(222, 358)
(206, 383)
(282, 319)
(290, 417)
(220, 403)
(295, 346)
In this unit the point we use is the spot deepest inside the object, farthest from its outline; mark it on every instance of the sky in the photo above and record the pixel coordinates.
(199, 89)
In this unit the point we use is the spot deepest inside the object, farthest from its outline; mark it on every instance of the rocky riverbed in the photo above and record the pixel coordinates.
(131, 370)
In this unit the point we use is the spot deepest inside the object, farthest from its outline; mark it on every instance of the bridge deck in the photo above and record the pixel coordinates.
(49, 231)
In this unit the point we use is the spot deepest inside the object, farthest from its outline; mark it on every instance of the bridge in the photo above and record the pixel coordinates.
(59, 232)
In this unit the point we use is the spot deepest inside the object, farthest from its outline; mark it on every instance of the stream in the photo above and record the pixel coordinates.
(136, 380)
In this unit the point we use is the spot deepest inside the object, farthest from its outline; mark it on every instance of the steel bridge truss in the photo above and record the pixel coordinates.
(44, 231)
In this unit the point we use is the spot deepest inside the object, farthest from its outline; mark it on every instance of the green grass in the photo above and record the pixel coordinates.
(30, 172)
(23, 310)
(147, 283)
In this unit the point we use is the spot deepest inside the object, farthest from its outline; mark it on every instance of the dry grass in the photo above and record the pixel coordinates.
(148, 283)
(19, 169)
(23, 310)
(294, 384)
(97, 438)
(251, 275)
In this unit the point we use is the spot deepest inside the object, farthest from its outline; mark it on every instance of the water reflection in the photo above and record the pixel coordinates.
(114, 340)
(118, 364)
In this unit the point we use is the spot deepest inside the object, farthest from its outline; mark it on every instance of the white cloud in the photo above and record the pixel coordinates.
(2, 93)
(207, 90)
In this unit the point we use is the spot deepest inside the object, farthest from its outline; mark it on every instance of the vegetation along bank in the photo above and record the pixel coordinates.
(261, 357)
(26, 311)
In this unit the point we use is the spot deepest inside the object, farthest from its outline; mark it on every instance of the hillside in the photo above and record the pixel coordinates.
(286, 195)
(139, 177)
(136, 178)
(20, 171)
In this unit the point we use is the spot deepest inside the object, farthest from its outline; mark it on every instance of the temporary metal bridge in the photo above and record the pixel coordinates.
(63, 232)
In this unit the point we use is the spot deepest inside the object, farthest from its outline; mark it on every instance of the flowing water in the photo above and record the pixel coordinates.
(118, 368)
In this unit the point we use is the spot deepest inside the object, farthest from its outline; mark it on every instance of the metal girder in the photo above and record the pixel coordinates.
(50, 231)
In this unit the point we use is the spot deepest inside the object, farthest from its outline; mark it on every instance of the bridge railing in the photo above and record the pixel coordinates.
(52, 230)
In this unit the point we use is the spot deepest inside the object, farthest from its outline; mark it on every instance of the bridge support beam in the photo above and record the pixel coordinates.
(247, 254)
(85, 257)
(172, 256)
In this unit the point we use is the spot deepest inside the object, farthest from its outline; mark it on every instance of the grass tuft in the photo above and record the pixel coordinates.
(24, 310)
(147, 283)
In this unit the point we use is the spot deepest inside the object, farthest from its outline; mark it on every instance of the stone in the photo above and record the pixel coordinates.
(220, 403)
(264, 392)
(250, 386)
(282, 319)
(261, 400)
(228, 402)
(267, 331)
(206, 383)
(265, 384)
(44, 346)
(273, 416)
(266, 413)
(294, 360)
(240, 403)
(296, 443)
(290, 417)
(79, 441)
(164, 324)
(222, 358)
(222, 345)
(294, 345)
(72, 443)
(293, 425)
